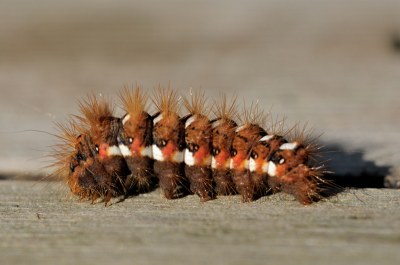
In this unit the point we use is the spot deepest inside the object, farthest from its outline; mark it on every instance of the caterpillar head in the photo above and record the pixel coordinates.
(103, 130)
(76, 164)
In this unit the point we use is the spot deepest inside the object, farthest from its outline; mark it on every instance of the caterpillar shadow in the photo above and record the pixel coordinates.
(350, 169)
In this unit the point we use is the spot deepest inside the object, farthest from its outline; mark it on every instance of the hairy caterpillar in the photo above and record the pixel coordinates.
(211, 151)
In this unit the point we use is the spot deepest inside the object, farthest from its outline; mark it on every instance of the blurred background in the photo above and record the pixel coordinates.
(333, 64)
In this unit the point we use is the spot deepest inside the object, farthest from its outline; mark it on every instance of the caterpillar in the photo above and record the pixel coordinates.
(212, 151)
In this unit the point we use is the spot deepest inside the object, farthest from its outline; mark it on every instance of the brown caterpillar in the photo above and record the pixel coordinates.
(101, 156)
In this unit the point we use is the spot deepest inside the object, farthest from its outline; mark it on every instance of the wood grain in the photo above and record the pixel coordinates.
(40, 226)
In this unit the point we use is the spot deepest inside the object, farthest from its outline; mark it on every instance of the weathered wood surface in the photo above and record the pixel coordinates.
(40, 226)
(334, 64)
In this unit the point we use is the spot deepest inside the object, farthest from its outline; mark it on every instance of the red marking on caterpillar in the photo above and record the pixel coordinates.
(102, 156)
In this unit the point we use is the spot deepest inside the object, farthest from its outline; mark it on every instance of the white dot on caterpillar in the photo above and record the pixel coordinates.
(271, 169)
(265, 167)
(214, 163)
(147, 151)
(281, 161)
(114, 151)
(178, 157)
(189, 159)
(126, 119)
(215, 124)
(252, 165)
(238, 129)
(157, 153)
(266, 138)
(189, 121)
(130, 140)
(288, 146)
(159, 118)
(125, 150)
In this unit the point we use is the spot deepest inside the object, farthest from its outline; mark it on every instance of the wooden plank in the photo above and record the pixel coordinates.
(40, 226)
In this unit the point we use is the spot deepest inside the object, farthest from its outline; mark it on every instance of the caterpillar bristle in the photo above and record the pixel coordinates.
(301, 183)
(141, 182)
(62, 150)
(304, 137)
(225, 111)
(173, 186)
(253, 115)
(278, 126)
(134, 101)
(93, 110)
(198, 105)
(167, 101)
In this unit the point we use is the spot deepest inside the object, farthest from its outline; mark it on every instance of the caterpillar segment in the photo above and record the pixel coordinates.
(85, 175)
(135, 139)
(168, 142)
(104, 129)
(259, 163)
(223, 133)
(246, 137)
(198, 140)
(92, 178)
(290, 166)
(262, 153)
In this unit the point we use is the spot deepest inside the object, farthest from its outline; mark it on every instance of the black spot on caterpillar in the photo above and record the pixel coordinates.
(212, 151)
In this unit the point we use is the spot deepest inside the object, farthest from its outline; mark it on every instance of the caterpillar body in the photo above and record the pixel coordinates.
(211, 151)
